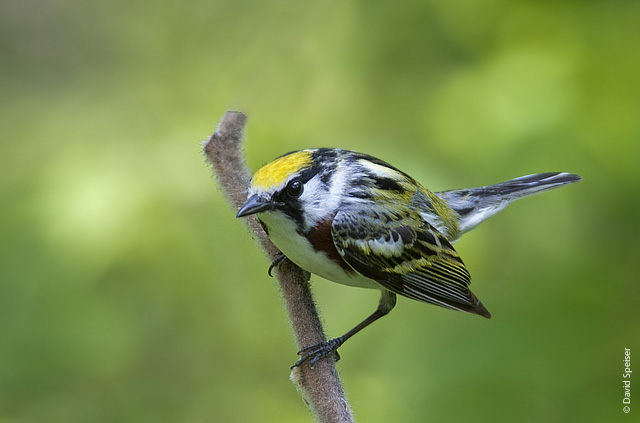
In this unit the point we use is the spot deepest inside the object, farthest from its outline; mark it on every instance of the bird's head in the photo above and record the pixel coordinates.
(303, 185)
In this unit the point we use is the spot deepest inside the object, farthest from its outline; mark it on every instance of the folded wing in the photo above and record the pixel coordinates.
(406, 255)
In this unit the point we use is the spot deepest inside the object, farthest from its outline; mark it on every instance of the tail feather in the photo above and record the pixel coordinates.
(530, 184)
(475, 205)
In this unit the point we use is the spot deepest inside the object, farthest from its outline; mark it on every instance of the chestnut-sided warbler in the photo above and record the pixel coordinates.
(356, 220)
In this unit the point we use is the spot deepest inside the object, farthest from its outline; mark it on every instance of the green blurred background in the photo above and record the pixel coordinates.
(130, 293)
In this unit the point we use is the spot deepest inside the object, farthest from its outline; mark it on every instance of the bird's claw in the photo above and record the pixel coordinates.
(281, 257)
(315, 352)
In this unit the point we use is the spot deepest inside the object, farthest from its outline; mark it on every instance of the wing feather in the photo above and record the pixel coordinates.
(406, 255)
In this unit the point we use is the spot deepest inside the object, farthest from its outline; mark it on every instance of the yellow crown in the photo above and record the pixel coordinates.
(275, 173)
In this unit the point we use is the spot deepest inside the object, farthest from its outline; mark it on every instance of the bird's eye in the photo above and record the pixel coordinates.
(294, 188)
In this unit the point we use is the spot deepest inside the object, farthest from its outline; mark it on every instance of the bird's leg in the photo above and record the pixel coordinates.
(281, 257)
(315, 352)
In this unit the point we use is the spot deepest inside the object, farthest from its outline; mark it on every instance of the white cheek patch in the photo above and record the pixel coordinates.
(319, 200)
(312, 201)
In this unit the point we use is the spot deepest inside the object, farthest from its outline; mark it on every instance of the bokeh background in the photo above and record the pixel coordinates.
(130, 293)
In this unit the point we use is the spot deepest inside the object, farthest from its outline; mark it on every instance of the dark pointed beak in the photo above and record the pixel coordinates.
(254, 205)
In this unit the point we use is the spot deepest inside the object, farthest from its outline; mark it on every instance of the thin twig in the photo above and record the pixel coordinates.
(320, 387)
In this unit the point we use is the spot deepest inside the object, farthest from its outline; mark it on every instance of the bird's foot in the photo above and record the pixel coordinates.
(281, 257)
(315, 352)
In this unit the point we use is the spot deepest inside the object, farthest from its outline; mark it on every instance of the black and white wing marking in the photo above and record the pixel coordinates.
(406, 255)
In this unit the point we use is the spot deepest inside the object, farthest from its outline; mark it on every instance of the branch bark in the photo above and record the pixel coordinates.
(320, 387)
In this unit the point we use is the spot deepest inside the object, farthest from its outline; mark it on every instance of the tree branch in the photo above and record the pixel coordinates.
(320, 387)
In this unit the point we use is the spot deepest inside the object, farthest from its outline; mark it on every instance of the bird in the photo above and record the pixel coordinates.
(354, 219)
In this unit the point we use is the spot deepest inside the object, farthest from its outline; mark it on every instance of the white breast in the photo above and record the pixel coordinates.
(282, 232)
